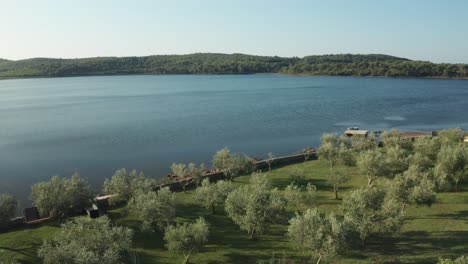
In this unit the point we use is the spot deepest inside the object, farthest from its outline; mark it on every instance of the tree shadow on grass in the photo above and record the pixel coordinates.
(426, 246)
(30, 252)
(224, 233)
(459, 215)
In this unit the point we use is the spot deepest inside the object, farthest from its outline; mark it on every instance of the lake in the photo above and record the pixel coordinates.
(96, 125)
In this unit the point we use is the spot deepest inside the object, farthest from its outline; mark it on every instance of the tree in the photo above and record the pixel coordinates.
(329, 151)
(320, 235)
(427, 147)
(346, 154)
(335, 150)
(238, 164)
(337, 179)
(452, 165)
(299, 196)
(370, 209)
(183, 171)
(196, 172)
(421, 161)
(308, 152)
(451, 136)
(414, 186)
(371, 163)
(8, 206)
(392, 139)
(126, 184)
(362, 143)
(459, 260)
(212, 194)
(156, 209)
(221, 159)
(253, 207)
(179, 170)
(396, 161)
(85, 240)
(187, 238)
(233, 164)
(270, 160)
(60, 196)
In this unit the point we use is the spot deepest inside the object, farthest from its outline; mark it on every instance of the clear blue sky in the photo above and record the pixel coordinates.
(416, 29)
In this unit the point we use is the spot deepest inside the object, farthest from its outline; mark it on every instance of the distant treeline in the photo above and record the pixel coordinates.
(210, 63)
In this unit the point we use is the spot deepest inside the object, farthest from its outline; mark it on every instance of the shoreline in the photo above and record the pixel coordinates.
(235, 74)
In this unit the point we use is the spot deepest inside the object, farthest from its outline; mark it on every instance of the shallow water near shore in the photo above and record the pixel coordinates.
(96, 125)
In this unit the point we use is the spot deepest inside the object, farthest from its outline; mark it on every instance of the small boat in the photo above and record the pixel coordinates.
(353, 128)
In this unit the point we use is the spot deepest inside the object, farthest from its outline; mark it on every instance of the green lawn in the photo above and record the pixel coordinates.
(428, 232)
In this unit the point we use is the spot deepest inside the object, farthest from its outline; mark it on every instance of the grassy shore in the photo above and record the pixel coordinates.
(428, 233)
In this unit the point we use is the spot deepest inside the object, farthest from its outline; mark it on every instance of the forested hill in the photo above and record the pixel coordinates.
(210, 63)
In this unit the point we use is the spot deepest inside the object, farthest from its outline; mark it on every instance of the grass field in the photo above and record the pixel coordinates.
(428, 233)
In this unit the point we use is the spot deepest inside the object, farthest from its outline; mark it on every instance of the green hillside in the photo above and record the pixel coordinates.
(212, 63)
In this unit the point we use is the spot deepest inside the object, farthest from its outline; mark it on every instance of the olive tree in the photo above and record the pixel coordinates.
(60, 196)
(396, 161)
(392, 139)
(156, 209)
(233, 164)
(85, 240)
(421, 161)
(347, 156)
(414, 186)
(371, 164)
(337, 179)
(368, 210)
(179, 169)
(335, 150)
(427, 147)
(254, 206)
(313, 233)
(452, 165)
(197, 172)
(452, 136)
(269, 160)
(298, 196)
(212, 194)
(329, 150)
(221, 159)
(362, 143)
(308, 153)
(126, 184)
(459, 260)
(187, 238)
(8, 206)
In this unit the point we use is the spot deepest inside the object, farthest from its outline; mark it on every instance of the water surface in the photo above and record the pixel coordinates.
(96, 125)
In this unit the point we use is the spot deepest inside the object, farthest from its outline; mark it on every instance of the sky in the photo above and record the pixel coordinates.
(430, 30)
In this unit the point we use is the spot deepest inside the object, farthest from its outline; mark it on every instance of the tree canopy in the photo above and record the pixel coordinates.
(215, 63)
(60, 196)
(126, 184)
(156, 209)
(85, 240)
(316, 234)
(8, 206)
(255, 206)
(187, 238)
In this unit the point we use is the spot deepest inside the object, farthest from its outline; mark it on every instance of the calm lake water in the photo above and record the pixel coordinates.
(96, 125)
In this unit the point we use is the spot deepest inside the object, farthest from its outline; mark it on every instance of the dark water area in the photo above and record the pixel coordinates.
(96, 125)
